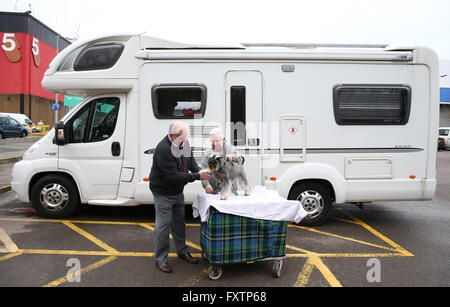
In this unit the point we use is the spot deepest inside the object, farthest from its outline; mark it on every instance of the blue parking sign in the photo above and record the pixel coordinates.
(56, 106)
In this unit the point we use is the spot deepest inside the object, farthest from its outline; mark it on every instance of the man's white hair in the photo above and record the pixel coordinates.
(176, 126)
(216, 131)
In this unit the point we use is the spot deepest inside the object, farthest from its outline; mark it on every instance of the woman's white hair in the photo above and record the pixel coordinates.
(216, 131)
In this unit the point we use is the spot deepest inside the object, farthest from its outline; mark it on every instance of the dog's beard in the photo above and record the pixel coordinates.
(213, 167)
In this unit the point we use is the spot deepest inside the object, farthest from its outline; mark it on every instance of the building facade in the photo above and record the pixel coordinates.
(27, 48)
(444, 108)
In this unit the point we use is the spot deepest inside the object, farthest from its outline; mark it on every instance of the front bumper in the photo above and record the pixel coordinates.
(20, 179)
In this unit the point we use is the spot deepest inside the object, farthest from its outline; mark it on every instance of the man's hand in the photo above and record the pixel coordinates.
(209, 189)
(205, 174)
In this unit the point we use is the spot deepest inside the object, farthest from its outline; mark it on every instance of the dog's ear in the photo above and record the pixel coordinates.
(220, 158)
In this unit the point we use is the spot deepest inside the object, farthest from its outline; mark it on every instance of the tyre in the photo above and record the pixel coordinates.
(1, 135)
(54, 196)
(24, 134)
(315, 199)
(214, 272)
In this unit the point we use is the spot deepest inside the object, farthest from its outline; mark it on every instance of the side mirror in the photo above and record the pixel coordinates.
(59, 138)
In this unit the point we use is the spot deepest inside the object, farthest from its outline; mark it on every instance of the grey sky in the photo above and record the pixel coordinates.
(398, 22)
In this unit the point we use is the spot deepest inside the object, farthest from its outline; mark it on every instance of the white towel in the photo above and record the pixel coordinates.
(261, 204)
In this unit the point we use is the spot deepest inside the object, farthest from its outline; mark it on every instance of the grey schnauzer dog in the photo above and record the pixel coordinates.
(225, 173)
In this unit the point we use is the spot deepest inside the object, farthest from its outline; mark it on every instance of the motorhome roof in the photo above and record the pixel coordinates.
(158, 49)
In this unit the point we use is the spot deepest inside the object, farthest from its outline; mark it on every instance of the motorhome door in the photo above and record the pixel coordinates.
(94, 152)
(244, 95)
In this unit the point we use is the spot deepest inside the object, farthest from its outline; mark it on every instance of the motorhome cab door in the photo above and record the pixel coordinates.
(244, 94)
(94, 152)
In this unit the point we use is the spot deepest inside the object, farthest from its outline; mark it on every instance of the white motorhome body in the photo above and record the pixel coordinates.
(330, 123)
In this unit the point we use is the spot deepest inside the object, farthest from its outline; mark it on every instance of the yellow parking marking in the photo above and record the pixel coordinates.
(72, 221)
(379, 235)
(195, 278)
(91, 267)
(325, 272)
(306, 271)
(10, 246)
(9, 256)
(344, 238)
(313, 259)
(188, 243)
(90, 237)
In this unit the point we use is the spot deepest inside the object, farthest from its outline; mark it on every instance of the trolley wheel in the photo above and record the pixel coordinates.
(277, 268)
(214, 272)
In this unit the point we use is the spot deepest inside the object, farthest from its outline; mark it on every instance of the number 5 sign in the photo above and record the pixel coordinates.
(35, 51)
(11, 46)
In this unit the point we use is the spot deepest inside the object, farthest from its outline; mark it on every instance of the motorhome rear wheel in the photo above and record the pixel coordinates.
(315, 199)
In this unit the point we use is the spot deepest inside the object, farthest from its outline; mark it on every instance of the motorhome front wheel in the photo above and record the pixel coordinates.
(315, 199)
(54, 196)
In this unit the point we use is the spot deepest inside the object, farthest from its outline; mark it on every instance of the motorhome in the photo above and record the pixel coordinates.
(319, 123)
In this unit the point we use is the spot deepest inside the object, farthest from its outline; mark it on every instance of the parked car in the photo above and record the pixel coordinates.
(444, 133)
(10, 128)
(22, 119)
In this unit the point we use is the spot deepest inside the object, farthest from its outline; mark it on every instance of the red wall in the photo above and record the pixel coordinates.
(21, 72)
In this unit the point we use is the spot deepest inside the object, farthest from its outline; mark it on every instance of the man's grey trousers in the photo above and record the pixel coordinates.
(170, 217)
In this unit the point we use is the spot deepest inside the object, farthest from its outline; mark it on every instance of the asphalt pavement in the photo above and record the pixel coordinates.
(383, 244)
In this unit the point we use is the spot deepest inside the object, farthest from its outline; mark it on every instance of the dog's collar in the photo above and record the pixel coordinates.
(222, 166)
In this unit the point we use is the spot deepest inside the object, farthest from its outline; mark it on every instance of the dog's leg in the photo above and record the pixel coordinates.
(244, 184)
(226, 190)
(234, 187)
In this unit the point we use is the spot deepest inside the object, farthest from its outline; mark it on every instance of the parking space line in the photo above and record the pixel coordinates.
(195, 278)
(10, 246)
(313, 259)
(188, 243)
(397, 247)
(344, 238)
(331, 279)
(306, 271)
(12, 255)
(91, 267)
(91, 237)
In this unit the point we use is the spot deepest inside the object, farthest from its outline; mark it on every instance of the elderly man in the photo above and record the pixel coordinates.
(218, 145)
(173, 167)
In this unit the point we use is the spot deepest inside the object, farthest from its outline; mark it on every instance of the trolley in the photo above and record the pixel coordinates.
(230, 239)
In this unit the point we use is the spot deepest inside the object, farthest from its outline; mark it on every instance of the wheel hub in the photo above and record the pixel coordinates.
(54, 197)
(312, 202)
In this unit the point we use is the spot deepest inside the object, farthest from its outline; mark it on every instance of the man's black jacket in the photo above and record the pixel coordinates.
(170, 171)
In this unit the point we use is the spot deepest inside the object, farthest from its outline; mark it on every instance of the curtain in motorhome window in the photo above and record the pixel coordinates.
(179, 101)
(371, 104)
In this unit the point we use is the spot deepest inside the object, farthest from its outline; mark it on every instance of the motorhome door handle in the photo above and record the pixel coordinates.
(115, 149)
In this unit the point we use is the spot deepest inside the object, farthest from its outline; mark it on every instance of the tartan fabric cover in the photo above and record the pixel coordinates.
(228, 238)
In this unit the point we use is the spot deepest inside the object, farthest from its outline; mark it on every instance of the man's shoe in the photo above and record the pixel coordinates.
(188, 258)
(164, 268)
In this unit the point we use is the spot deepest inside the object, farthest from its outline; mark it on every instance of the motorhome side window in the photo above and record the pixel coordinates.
(98, 56)
(371, 104)
(95, 122)
(179, 101)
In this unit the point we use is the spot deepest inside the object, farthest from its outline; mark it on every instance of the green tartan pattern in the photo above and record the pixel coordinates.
(228, 238)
